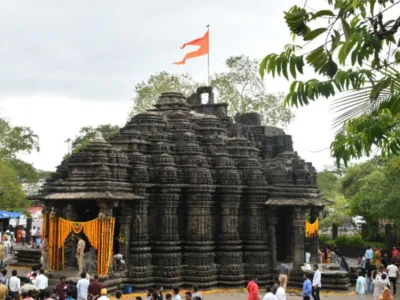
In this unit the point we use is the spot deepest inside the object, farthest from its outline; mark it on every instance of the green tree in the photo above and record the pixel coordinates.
(147, 92)
(12, 196)
(86, 134)
(359, 55)
(243, 89)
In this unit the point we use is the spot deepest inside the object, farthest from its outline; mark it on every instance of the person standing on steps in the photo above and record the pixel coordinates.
(80, 254)
(360, 286)
(284, 273)
(45, 252)
(316, 284)
(393, 274)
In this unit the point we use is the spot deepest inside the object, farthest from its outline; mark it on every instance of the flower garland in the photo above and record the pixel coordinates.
(311, 229)
(100, 233)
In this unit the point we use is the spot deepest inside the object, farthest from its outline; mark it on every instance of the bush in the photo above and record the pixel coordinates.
(326, 240)
(349, 240)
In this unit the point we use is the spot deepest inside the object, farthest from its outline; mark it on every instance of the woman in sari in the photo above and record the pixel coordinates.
(252, 288)
(377, 258)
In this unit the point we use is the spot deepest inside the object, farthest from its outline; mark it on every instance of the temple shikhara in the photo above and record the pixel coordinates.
(187, 196)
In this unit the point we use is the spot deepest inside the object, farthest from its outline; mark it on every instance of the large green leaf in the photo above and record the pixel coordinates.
(313, 34)
(346, 28)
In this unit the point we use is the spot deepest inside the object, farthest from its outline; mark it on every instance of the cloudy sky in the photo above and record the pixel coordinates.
(68, 64)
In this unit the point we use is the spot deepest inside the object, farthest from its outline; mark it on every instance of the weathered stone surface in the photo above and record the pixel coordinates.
(198, 185)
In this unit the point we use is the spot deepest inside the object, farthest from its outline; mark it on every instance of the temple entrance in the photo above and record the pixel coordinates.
(284, 234)
(86, 211)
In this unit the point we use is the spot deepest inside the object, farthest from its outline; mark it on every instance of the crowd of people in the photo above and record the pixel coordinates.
(378, 274)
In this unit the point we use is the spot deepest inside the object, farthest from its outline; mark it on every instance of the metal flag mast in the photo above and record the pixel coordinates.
(208, 56)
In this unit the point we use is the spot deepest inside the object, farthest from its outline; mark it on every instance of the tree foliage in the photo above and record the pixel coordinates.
(86, 134)
(147, 92)
(243, 89)
(240, 86)
(358, 57)
(13, 141)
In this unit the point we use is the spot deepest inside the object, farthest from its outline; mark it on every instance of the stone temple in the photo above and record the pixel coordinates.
(200, 198)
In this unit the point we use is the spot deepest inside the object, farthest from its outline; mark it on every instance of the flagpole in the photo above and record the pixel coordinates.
(208, 57)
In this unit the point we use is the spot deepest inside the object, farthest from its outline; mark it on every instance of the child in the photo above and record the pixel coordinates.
(118, 295)
(360, 286)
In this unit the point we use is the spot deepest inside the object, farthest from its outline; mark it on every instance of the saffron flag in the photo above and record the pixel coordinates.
(203, 42)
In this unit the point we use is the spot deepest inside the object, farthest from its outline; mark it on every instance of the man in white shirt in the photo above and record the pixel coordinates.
(33, 233)
(83, 286)
(280, 291)
(316, 283)
(14, 285)
(269, 295)
(393, 273)
(307, 257)
(41, 284)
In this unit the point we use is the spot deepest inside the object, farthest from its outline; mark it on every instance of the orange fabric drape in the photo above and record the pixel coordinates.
(312, 229)
(202, 42)
(100, 234)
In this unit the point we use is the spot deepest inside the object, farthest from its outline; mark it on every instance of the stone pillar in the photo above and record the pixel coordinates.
(272, 220)
(140, 269)
(289, 238)
(199, 248)
(166, 254)
(335, 231)
(299, 222)
(125, 221)
(314, 243)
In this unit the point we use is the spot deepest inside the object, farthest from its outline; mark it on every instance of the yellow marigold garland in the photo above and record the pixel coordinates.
(311, 229)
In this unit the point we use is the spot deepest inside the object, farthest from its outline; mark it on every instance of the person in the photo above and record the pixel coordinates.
(7, 248)
(386, 294)
(188, 295)
(176, 294)
(167, 297)
(14, 284)
(316, 284)
(284, 273)
(149, 293)
(196, 298)
(140, 298)
(33, 233)
(306, 267)
(380, 282)
(47, 295)
(45, 252)
(370, 268)
(41, 284)
(69, 295)
(61, 288)
(118, 295)
(80, 254)
(27, 296)
(30, 274)
(4, 277)
(159, 291)
(369, 254)
(395, 253)
(269, 295)
(74, 290)
(3, 291)
(252, 288)
(28, 286)
(95, 287)
(33, 280)
(306, 292)
(82, 287)
(393, 274)
(23, 236)
(196, 293)
(377, 257)
(321, 255)
(307, 257)
(360, 286)
(273, 287)
(362, 261)
(280, 291)
(385, 261)
(103, 296)
(344, 266)
(1, 254)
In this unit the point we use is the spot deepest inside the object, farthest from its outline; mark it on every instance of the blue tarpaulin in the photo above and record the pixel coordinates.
(9, 214)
